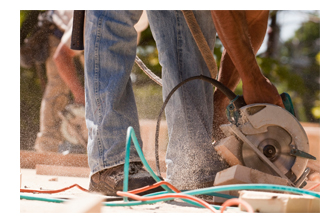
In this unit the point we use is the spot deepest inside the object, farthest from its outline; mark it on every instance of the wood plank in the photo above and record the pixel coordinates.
(229, 149)
(83, 203)
(29, 159)
(266, 202)
(244, 175)
(68, 171)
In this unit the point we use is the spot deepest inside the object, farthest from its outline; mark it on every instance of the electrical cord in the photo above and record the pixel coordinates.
(314, 187)
(52, 191)
(171, 192)
(132, 195)
(238, 102)
(146, 188)
(236, 201)
(169, 195)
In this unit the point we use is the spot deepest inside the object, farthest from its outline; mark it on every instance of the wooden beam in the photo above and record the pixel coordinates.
(266, 202)
(84, 203)
(69, 171)
(229, 149)
(29, 159)
(244, 175)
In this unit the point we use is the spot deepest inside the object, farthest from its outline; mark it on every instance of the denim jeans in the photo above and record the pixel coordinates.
(110, 48)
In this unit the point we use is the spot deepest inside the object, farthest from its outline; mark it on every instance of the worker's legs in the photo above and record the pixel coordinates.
(191, 159)
(110, 49)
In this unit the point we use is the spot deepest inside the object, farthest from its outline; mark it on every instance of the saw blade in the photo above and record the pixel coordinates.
(275, 145)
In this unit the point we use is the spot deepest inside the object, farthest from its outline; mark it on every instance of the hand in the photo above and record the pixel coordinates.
(261, 91)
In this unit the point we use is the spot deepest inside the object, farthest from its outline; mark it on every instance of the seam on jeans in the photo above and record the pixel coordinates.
(96, 68)
(180, 20)
(96, 83)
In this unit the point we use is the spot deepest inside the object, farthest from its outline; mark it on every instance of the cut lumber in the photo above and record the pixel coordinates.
(266, 202)
(229, 149)
(244, 175)
(69, 171)
(29, 159)
(84, 203)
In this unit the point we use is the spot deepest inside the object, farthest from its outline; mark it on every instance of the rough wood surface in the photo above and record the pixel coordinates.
(83, 203)
(29, 159)
(244, 175)
(69, 171)
(266, 202)
(229, 149)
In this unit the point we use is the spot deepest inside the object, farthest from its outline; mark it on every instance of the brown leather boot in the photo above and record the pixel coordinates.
(109, 181)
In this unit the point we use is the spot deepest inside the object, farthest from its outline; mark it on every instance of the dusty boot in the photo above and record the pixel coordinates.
(55, 99)
(109, 181)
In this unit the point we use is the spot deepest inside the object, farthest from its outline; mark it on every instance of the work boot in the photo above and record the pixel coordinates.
(109, 181)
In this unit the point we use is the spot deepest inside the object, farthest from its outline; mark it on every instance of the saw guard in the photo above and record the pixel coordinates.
(257, 117)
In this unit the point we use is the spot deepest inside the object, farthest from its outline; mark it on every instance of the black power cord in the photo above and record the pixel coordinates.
(238, 102)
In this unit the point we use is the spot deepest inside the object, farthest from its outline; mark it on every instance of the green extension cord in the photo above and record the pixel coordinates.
(210, 190)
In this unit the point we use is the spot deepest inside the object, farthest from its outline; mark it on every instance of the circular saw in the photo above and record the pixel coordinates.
(273, 140)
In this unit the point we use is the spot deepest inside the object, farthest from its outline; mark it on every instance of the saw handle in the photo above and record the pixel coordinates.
(287, 102)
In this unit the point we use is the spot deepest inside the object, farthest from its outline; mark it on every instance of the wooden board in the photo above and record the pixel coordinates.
(244, 175)
(266, 202)
(69, 171)
(29, 159)
(229, 149)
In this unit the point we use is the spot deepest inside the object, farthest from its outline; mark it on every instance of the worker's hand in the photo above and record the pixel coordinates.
(261, 91)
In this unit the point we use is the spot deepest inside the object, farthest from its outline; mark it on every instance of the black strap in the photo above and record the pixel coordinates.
(77, 30)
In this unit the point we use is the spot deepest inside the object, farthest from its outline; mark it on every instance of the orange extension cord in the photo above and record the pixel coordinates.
(143, 189)
(314, 186)
(132, 194)
(52, 191)
(164, 196)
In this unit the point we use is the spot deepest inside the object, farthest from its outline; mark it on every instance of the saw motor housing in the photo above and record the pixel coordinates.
(273, 141)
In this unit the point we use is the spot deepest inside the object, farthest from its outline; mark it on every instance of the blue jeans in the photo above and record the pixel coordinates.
(110, 48)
